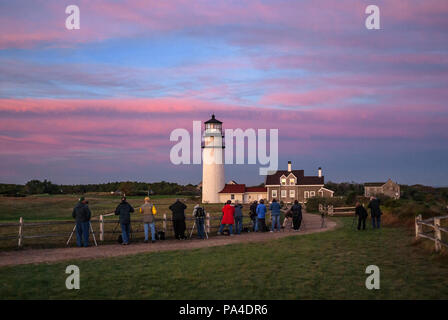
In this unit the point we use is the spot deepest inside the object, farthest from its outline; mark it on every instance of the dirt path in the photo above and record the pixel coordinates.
(312, 224)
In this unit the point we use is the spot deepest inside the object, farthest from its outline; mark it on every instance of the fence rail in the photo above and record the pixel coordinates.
(435, 234)
(337, 211)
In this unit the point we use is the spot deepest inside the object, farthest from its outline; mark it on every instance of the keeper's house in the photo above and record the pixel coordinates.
(289, 185)
(388, 188)
(283, 185)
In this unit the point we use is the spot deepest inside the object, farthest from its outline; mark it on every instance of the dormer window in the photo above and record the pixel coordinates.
(283, 181)
(292, 181)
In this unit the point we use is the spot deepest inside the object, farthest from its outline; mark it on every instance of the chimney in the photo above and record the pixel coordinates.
(289, 166)
(319, 172)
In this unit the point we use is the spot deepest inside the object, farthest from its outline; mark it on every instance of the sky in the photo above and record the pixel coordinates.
(98, 104)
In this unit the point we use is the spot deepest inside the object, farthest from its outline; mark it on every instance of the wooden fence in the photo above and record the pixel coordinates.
(100, 223)
(435, 233)
(338, 211)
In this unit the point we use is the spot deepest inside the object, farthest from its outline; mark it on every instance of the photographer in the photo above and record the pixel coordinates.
(261, 216)
(361, 212)
(149, 211)
(199, 214)
(124, 210)
(81, 213)
(253, 215)
(296, 210)
(178, 210)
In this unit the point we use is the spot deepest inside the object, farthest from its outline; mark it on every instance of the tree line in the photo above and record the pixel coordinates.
(124, 187)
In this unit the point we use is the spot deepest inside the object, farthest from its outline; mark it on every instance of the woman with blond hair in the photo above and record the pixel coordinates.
(149, 210)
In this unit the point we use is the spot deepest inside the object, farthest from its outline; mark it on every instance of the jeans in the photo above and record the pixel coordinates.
(146, 226)
(261, 224)
(82, 233)
(255, 221)
(377, 221)
(238, 225)
(361, 221)
(221, 228)
(200, 226)
(275, 220)
(125, 232)
(296, 221)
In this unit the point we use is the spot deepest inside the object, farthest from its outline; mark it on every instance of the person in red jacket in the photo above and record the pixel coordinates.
(228, 212)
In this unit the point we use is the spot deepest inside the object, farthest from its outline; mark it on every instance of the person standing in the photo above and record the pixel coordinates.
(261, 216)
(124, 210)
(296, 210)
(81, 213)
(149, 211)
(375, 212)
(275, 214)
(361, 212)
(199, 216)
(178, 210)
(228, 212)
(253, 215)
(238, 217)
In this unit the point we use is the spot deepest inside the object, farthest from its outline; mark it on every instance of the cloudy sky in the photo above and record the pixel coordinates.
(98, 104)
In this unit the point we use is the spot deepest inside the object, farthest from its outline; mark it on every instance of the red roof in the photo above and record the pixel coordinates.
(241, 188)
(233, 188)
(256, 189)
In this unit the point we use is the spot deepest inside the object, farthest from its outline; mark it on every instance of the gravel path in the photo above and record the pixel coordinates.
(312, 224)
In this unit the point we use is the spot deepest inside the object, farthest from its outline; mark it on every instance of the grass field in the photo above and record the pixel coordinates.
(328, 265)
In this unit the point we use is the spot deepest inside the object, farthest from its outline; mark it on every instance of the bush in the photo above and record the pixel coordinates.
(312, 204)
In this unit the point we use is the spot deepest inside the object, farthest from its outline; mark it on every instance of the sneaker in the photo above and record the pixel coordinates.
(219, 233)
(271, 231)
(231, 234)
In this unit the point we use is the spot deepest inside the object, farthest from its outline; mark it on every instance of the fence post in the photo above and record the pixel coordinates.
(164, 223)
(20, 243)
(418, 226)
(330, 209)
(101, 228)
(437, 234)
(207, 222)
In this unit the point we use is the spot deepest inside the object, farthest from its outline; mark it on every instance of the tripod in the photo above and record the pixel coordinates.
(323, 222)
(194, 225)
(91, 231)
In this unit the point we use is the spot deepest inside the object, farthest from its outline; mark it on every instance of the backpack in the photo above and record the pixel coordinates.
(200, 212)
(160, 235)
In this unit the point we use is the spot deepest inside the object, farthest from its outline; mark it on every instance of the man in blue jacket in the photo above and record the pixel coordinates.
(275, 214)
(124, 210)
(261, 216)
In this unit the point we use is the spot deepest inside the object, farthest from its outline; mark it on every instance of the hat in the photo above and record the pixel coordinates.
(82, 199)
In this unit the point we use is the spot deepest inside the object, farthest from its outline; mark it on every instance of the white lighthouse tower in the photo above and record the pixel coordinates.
(212, 161)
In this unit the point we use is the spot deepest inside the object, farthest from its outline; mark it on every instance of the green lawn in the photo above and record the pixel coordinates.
(328, 265)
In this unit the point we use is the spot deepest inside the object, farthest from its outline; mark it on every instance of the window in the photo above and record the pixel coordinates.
(274, 193)
(292, 193)
(283, 193)
(312, 193)
(292, 181)
(307, 194)
(232, 196)
(283, 181)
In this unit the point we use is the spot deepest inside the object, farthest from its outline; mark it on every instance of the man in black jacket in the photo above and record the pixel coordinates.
(296, 210)
(81, 213)
(253, 215)
(124, 210)
(178, 210)
(375, 212)
(361, 212)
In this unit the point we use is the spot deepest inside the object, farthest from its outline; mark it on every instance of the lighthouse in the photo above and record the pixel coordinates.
(212, 161)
